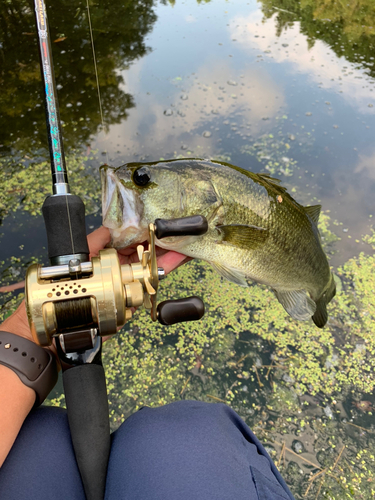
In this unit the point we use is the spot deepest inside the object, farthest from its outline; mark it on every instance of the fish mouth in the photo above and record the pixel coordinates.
(122, 210)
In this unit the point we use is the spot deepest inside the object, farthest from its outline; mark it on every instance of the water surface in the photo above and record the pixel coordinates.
(277, 86)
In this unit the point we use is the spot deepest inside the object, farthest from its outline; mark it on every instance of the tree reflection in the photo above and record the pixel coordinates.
(347, 27)
(119, 29)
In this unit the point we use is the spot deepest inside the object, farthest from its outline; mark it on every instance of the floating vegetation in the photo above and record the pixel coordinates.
(24, 184)
(273, 153)
(307, 394)
(285, 378)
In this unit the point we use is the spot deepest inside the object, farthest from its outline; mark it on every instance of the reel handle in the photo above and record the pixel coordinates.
(194, 225)
(170, 312)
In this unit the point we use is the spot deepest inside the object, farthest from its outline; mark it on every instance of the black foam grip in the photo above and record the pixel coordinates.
(186, 226)
(178, 311)
(88, 415)
(66, 232)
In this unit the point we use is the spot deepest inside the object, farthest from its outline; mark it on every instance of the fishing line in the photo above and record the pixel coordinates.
(96, 72)
(70, 225)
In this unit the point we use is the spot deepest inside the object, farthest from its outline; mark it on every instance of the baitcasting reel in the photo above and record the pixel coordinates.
(79, 300)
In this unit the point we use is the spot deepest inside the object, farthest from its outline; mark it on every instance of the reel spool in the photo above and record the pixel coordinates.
(81, 300)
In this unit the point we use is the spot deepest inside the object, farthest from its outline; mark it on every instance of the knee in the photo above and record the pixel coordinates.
(46, 424)
(184, 421)
(45, 432)
(43, 440)
(177, 414)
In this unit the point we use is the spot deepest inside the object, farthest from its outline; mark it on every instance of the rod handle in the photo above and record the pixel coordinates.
(64, 217)
(88, 416)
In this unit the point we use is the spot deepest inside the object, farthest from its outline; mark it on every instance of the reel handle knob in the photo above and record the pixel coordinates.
(195, 225)
(170, 312)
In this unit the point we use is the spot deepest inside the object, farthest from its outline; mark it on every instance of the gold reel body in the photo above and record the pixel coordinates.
(99, 294)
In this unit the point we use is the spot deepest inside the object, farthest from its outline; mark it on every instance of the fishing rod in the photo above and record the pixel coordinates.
(76, 301)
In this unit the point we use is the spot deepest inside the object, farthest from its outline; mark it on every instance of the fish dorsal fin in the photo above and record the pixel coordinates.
(229, 274)
(313, 211)
(297, 303)
(243, 236)
(269, 178)
(272, 182)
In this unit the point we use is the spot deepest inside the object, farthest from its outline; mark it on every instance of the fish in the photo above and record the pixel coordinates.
(256, 231)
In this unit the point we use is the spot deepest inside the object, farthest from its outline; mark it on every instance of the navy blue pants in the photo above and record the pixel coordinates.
(185, 450)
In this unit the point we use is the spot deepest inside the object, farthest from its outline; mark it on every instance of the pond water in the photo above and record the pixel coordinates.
(282, 86)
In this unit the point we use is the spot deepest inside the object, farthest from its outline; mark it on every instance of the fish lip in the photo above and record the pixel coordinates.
(109, 184)
(127, 238)
(122, 208)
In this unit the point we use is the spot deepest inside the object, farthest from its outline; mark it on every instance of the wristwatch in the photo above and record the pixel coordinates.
(35, 366)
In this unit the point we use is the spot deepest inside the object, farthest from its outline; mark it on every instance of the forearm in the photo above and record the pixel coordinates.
(16, 401)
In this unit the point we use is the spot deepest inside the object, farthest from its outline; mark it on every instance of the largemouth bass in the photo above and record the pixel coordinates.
(257, 231)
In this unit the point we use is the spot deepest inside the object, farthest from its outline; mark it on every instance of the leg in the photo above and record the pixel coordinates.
(41, 464)
(190, 450)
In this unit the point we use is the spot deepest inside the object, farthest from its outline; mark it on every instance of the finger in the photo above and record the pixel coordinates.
(128, 250)
(172, 260)
(98, 239)
(160, 251)
(10, 288)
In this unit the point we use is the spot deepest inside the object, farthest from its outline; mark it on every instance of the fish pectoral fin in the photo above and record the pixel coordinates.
(297, 303)
(176, 243)
(314, 212)
(229, 274)
(243, 236)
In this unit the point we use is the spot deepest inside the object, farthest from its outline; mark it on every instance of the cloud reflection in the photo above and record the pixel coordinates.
(247, 102)
(319, 62)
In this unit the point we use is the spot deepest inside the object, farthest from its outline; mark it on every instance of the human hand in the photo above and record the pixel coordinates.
(168, 260)
(18, 323)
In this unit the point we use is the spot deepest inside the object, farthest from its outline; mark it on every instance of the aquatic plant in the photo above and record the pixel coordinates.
(275, 150)
(24, 185)
(285, 378)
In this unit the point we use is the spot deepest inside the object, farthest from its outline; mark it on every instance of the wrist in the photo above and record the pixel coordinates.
(35, 366)
(15, 390)
(18, 323)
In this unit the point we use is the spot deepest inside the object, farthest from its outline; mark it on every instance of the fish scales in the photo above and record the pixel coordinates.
(257, 231)
(261, 210)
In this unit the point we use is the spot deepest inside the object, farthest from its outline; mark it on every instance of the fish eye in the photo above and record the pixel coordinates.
(141, 176)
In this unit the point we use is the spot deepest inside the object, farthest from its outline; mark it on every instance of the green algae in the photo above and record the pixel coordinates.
(231, 312)
(285, 378)
(25, 185)
(274, 150)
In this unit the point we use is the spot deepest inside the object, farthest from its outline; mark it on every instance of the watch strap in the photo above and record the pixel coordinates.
(35, 366)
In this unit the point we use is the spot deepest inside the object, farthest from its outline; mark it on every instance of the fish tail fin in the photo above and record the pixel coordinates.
(320, 316)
